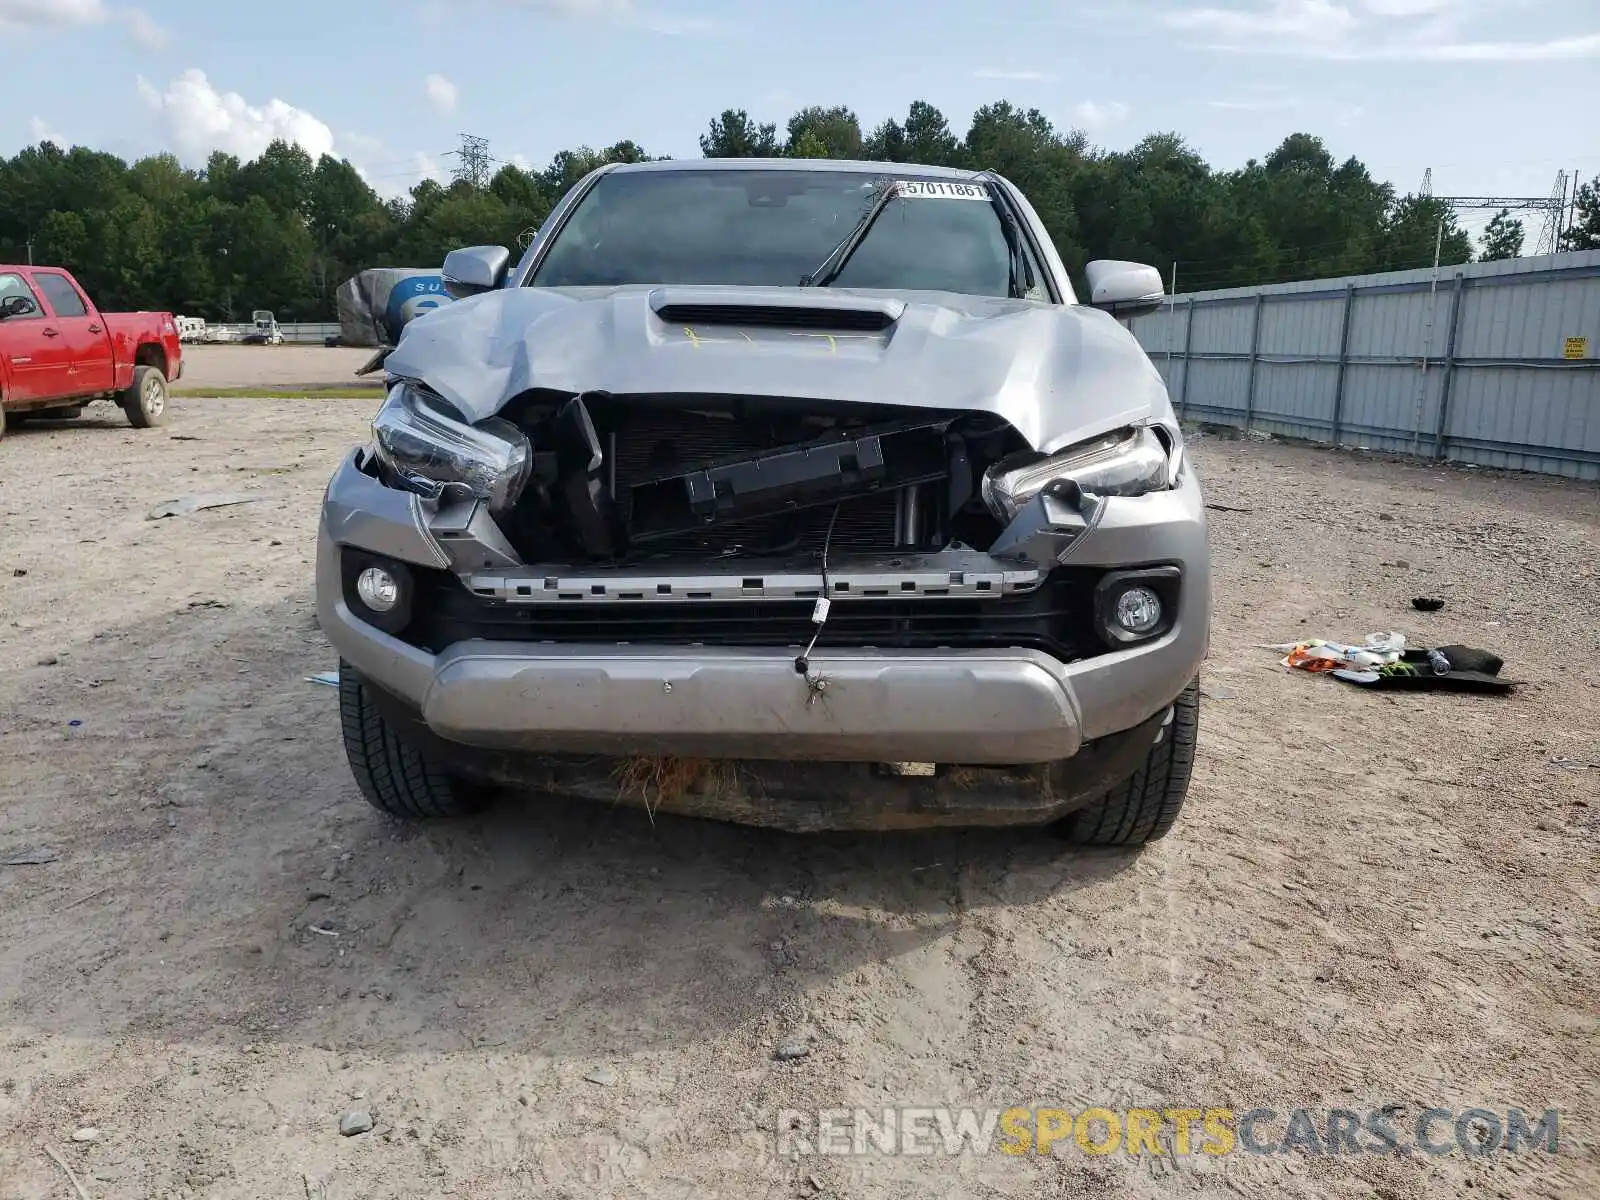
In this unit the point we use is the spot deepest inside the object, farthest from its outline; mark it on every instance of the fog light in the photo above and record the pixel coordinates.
(1138, 610)
(379, 590)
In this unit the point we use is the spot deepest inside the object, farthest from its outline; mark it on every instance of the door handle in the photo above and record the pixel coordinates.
(52, 333)
(95, 329)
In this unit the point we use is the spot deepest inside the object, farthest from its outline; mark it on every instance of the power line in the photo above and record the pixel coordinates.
(1553, 207)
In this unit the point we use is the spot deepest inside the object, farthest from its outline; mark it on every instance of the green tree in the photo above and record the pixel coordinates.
(1411, 233)
(1025, 148)
(928, 138)
(836, 131)
(1502, 237)
(281, 176)
(808, 145)
(281, 231)
(1585, 231)
(735, 135)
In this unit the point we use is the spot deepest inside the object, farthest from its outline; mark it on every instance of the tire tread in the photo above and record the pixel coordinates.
(394, 776)
(1145, 807)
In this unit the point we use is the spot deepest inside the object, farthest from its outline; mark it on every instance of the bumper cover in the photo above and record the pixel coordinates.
(962, 706)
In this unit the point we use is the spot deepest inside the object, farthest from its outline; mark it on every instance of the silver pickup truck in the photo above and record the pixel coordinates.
(801, 493)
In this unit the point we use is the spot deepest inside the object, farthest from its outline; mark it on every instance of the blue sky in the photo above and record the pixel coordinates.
(1495, 95)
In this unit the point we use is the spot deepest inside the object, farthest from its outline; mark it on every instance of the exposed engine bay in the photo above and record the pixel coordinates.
(628, 480)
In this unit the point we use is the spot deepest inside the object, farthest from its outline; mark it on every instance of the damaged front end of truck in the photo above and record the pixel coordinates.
(724, 529)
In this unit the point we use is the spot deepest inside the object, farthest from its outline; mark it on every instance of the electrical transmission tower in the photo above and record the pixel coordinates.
(1553, 207)
(1427, 185)
(473, 161)
(1555, 215)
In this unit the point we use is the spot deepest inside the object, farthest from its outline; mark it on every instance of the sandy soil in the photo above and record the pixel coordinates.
(223, 366)
(1370, 900)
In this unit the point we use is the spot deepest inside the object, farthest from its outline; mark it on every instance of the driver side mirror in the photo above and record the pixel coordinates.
(1124, 289)
(17, 306)
(475, 269)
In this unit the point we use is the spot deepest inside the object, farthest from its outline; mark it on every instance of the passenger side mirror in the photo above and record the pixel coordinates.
(475, 269)
(16, 306)
(1124, 289)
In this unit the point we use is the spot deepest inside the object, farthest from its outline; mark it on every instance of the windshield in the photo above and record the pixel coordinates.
(774, 228)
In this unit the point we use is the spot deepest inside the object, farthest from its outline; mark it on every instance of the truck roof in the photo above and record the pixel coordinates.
(852, 165)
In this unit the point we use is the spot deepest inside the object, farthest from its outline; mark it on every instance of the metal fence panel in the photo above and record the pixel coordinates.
(1490, 363)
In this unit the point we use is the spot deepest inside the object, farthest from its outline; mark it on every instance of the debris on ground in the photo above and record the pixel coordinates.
(1427, 604)
(1386, 661)
(87, 1134)
(185, 505)
(355, 1122)
(604, 1076)
(1573, 764)
(55, 1157)
(791, 1048)
(35, 857)
(1228, 508)
(326, 678)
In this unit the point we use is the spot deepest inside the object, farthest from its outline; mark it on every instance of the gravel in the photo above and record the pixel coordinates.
(1182, 976)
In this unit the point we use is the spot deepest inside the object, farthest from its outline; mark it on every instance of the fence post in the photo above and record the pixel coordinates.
(1188, 363)
(1255, 342)
(1449, 364)
(1344, 359)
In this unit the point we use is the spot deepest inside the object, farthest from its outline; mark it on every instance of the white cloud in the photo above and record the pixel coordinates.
(1296, 19)
(1093, 115)
(1012, 76)
(24, 15)
(1257, 97)
(425, 166)
(146, 34)
(1407, 8)
(442, 94)
(1558, 50)
(50, 14)
(199, 119)
(522, 162)
(1262, 104)
(39, 131)
(1381, 30)
(361, 145)
(628, 13)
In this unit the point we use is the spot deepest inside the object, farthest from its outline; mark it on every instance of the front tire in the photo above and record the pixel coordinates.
(1146, 806)
(395, 776)
(145, 401)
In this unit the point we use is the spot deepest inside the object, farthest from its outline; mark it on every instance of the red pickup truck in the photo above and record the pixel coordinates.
(58, 352)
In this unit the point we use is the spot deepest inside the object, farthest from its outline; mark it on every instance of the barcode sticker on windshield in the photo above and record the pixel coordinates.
(938, 189)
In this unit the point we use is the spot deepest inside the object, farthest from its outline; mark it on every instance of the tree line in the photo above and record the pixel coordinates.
(283, 231)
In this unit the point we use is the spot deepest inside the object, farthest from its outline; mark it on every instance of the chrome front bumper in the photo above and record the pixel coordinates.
(976, 707)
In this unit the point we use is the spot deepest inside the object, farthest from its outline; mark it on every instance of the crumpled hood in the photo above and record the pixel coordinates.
(1057, 374)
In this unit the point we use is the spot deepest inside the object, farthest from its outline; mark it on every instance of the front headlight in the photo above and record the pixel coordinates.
(432, 451)
(1128, 462)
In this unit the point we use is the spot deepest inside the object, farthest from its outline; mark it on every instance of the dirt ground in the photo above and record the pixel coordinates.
(1371, 899)
(227, 367)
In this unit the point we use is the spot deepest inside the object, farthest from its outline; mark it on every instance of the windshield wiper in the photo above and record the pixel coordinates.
(1020, 280)
(829, 268)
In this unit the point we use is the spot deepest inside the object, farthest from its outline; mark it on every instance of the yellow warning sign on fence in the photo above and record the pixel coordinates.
(1577, 347)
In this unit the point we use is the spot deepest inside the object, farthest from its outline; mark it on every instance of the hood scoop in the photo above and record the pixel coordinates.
(777, 308)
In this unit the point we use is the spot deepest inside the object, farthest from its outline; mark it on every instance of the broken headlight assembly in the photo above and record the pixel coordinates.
(431, 451)
(1127, 462)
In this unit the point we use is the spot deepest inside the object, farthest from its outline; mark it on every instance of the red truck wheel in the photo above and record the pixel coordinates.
(145, 401)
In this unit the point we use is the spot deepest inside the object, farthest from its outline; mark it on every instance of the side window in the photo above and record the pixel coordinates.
(15, 287)
(62, 295)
